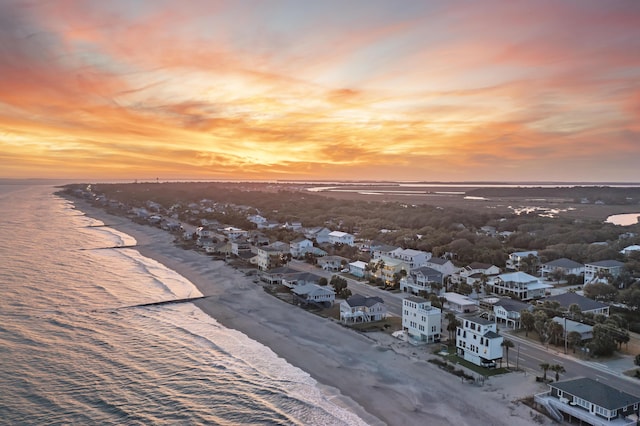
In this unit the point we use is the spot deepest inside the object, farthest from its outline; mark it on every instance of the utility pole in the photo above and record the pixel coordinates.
(565, 335)
(518, 357)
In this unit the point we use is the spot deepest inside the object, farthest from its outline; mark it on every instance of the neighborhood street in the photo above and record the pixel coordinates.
(526, 355)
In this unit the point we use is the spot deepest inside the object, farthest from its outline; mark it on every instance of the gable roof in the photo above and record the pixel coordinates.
(312, 289)
(606, 264)
(567, 299)
(564, 263)
(437, 261)
(478, 265)
(512, 305)
(597, 393)
(360, 300)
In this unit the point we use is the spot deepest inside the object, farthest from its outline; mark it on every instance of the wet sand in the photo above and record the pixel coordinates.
(382, 380)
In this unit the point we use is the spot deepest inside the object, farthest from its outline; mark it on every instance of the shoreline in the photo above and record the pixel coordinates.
(379, 379)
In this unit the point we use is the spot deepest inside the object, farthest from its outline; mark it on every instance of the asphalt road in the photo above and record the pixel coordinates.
(526, 355)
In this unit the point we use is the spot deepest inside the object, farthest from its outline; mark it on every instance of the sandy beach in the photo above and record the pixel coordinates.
(382, 380)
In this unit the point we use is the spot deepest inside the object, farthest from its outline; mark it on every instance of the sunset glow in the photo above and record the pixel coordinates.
(411, 90)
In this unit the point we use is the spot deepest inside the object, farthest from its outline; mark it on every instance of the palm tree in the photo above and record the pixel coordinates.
(452, 325)
(544, 366)
(555, 331)
(558, 369)
(574, 339)
(506, 344)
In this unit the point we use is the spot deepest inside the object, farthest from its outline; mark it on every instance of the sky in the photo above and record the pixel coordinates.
(407, 90)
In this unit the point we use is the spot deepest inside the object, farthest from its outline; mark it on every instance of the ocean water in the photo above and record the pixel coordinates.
(74, 351)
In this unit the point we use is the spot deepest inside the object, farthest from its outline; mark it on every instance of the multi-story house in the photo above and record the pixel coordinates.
(591, 402)
(319, 234)
(379, 250)
(421, 279)
(562, 267)
(420, 320)
(269, 256)
(314, 294)
(339, 237)
(413, 258)
(516, 260)
(300, 246)
(358, 268)
(240, 245)
(508, 311)
(602, 272)
(475, 272)
(519, 284)
(386, 268)
(478, 342)
(445, 266)
(234, 233)
(332, 263)
(358, 308)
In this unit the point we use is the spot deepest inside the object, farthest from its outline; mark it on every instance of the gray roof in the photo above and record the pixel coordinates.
(564, 263)
(491, 334)
(606, 264)
(597, 393)
(512, 305)
(360, 300)
(479, 320)
(567, 299)
(478, 265)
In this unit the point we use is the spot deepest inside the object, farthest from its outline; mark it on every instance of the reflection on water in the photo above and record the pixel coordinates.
(624, 219)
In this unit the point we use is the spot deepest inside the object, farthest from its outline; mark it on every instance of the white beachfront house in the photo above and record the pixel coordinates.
(358, 268)
(602, 272)
(563, 267)
(300, 246)
(478, 341)
(421, 279)
(314, 294)
(358, 308)
(519, 284)
(420, 320)
(339, 237)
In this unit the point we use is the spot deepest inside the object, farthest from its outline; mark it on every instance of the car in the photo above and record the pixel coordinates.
(345, 270)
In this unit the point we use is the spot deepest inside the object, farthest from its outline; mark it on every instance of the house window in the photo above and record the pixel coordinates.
(560, 393)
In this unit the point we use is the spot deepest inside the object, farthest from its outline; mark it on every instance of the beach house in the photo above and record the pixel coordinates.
(517, 259)
(585, 304)
(421, 279)
(602, 271)
(560, 268)
(590, 402)
(314, 294)
(358, 308)
(420, 320)
(519, 284)
(445, 266)
(478, 341)
(358, 268)
(508, 311)
(300, 246)
(339, 237)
